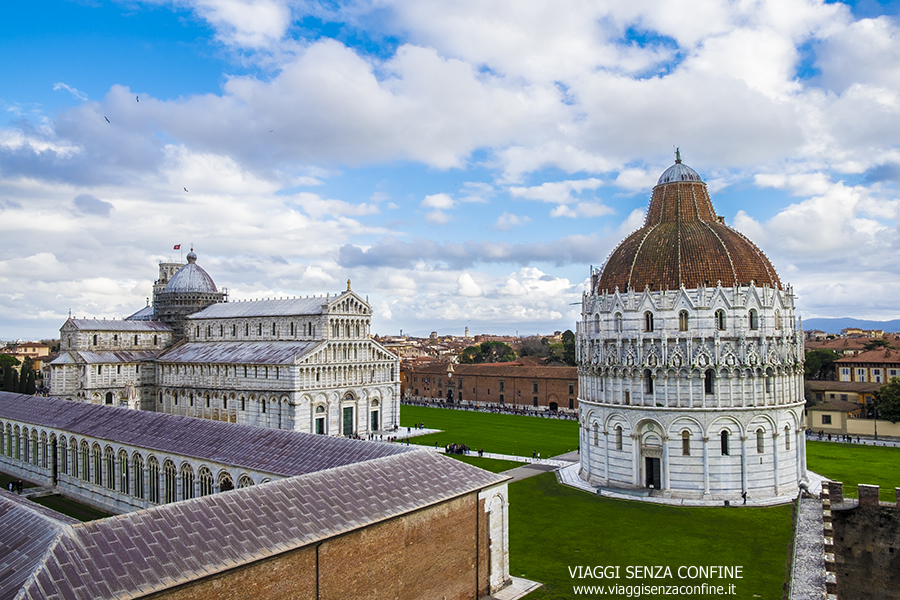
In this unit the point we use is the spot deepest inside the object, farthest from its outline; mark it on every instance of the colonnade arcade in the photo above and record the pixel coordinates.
(114, 476)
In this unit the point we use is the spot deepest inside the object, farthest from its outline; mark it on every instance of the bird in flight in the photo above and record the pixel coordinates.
(185, 189)
(137, 98)
(271, 130)
(107, 119)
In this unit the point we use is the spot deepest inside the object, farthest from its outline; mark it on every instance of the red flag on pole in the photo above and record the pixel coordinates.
(177, 247)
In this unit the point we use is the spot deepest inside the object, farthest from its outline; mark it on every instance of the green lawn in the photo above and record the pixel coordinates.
(74, 509)
(502, 434)
(853, 464)
(554, 527)
(488, 464)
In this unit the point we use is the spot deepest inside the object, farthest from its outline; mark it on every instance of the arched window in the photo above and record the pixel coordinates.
(754, 319)
(43, 449)
(720, 320)
(206, 481)
(596, 430)
(787, 437)
(187, 482)
(777, 320)
(124, 479)
(648, 321)
(97, 463)
(708, 381)
(226, 483)
(85, 461)
(22, 444)
(320, 420)
(153, 479)
(245, 481)
(618, 437)
(760, 441)
(292, 329)
(110, 460)
(618, 322)
(63, 455)
(724, 442)
(137, 467)
(170, 475)
(95, 340)
(648, 381)
(34, 447)
(685, 443)
(683, 320)
(273, 328)
(770, 382)
(259, 329)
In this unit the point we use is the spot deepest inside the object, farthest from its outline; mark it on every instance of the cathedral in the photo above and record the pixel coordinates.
(304, 364)
(690, 359)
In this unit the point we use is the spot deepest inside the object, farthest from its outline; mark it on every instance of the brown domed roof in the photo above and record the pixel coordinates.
(684, 243)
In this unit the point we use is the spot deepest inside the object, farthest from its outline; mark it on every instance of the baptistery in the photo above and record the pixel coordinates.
(690, 359)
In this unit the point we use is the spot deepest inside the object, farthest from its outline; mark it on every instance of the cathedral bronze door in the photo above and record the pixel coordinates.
(652, 468)
(347, 428)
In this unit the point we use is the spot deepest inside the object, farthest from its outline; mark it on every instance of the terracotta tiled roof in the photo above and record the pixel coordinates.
(683, 242)
(881, 355)
(841, 405)
(843, 387)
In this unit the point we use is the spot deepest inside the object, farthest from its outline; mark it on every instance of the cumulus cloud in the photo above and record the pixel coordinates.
(507, 221)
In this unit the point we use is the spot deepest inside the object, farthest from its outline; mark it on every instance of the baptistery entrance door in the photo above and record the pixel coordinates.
(653, 473)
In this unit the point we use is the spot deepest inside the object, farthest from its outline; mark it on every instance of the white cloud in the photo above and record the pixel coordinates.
(76, 93)
(507, 221)
(438, 201)
(466, 286)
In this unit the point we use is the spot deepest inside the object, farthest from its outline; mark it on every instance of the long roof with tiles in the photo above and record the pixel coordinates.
(276, 451)
(273, 352)
(148, 551)
(116, 325)
(684, 243)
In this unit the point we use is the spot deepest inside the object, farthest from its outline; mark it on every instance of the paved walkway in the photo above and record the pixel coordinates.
(809, 557)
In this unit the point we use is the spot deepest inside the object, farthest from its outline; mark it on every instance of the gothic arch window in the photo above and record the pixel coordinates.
(596, 432)
(618, 437)
(723, 441)
(685, 443)
(246, 329)
(226, 483)
(110, 460)
(770, 382)
(233, 330)
(34, 447)
(648, 381)
(206, 481)
(292, 329)
(259, 328)
(43, 449)
(320, 420)
(709, 381)
(97, 459)
(760, 441)
(187, 482)
(618, 322)
(720, 320)
(63, 455)
(787, 437)
(95, 340)
(137, 467)
(754, 319)
(273, 328)
(170, 475)
(85, 461)
(221, 330)
(683, 320)
(124, 480)
(153, 479)
(244, 482)
(777, 320)
(648, 321)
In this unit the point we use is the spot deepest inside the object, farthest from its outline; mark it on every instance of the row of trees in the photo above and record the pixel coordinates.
(11, 382)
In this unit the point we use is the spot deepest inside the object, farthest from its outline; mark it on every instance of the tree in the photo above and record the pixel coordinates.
(533, 345)
(568, 339)
(26, 381)
(10, 379)
(8, 361)
(876, 344)
(487, 352)
(819, 365)
(887, 401)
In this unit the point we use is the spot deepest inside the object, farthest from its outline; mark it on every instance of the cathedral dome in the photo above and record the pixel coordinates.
(191, 278)
(684, 243)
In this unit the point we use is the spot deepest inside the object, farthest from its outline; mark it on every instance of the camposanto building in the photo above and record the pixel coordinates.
(690, 359)
(305, 364)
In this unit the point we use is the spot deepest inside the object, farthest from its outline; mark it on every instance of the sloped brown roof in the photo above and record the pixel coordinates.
(839, 405)
(684, 243)
(881, 355)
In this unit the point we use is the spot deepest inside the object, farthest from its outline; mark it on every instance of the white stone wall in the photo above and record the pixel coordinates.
(657, 364)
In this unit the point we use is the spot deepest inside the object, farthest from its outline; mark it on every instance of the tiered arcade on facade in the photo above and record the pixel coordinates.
(690, 359)
(306, 364)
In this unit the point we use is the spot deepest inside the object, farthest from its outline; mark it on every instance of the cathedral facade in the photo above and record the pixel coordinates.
(690, 359)
(304, 364)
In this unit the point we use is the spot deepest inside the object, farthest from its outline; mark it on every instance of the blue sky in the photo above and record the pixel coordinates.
(463, 163)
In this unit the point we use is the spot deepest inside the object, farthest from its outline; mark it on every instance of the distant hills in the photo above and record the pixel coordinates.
(835, 325)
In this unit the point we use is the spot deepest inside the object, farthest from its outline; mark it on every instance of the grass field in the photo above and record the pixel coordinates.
(553, 527)
(853, 464)
(502, 434)
(76, 510)
(488, 464)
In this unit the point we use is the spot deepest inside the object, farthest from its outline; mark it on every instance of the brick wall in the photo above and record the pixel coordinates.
(427, 554)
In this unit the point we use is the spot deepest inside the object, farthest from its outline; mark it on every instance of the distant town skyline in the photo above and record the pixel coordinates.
(464, 164)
